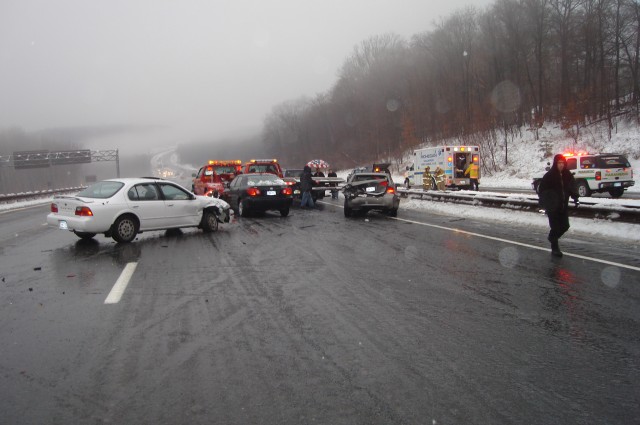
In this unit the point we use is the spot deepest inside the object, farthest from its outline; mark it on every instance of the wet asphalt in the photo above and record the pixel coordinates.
(318, 319)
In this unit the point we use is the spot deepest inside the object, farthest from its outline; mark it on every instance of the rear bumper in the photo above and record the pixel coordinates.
(81, 224)
(268, 204)
(384, 202)
(615, 184)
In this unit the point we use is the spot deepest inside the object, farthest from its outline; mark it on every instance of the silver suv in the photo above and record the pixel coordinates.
(370, 191)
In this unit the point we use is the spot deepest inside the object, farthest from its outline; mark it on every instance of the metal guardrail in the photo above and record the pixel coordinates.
(587, 209)
(38, 194)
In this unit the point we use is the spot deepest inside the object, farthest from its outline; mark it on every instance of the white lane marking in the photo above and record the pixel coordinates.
(121, 284)
(493, 238)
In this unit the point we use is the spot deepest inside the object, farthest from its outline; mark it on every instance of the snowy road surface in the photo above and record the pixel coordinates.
(314, 318)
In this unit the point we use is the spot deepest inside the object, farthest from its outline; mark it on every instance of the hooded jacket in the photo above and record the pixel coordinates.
(306, 182)
(556, 188)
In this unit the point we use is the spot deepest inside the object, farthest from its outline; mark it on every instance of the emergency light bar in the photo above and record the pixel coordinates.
(263, 160)
(230, 162)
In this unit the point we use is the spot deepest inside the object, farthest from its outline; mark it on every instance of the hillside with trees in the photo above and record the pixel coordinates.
(479, 77)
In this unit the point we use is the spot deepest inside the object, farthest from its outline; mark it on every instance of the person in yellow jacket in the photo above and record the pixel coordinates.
(439, 175)
(427, 179)
(473, 172)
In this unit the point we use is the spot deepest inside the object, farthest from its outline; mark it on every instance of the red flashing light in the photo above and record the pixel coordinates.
(253, 191)
(84, 212)
(54, 208)
(450, 159)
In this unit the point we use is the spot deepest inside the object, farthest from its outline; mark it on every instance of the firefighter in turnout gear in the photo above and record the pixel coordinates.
(439, 176)
(427, 179)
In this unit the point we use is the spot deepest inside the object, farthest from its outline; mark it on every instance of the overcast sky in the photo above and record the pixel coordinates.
(212, 67)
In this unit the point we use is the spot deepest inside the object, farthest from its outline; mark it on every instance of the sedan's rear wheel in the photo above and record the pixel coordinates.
(84, 235)
(209, 222)
(393, 212)
(243, 211)
(124, 229)
(284, 212)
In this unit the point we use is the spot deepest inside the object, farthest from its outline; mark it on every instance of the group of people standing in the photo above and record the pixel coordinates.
(306, 186)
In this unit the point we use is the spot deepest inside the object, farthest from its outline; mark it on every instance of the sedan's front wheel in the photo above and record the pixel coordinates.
(209, 222)
(243, 211)
(124, 229)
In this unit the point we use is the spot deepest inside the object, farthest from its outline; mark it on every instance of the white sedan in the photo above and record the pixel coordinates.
(122, 208)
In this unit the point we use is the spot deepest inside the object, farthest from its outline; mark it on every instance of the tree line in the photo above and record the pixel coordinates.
(478, 76)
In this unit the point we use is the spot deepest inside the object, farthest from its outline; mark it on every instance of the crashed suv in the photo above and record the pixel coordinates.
(370, 191)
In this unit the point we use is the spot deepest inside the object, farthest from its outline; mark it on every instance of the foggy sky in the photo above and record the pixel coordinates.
(204, 67)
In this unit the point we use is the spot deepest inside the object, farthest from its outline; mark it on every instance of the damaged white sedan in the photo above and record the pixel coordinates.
(124, 207)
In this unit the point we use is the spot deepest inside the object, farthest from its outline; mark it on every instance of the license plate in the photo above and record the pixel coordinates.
(271, 192)
(617, 184)
(63, 225)
(370, 189)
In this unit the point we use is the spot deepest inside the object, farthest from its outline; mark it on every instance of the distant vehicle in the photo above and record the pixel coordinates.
(263, 166)
(606, 172)
(123, 208)
(370, 191)
(211, 178)
(292, 178)
(259, 192)
(453, 160)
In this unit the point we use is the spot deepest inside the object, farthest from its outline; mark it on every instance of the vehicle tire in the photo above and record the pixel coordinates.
(616, 192)
(243, 211)
(433, 184)
(124, 229)
(392, 212)
(583, 188)
(348, 212)
(209, 221)
(84, 235)
(284, 212)
(407, 184)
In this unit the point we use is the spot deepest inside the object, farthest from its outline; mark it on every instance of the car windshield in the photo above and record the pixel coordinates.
(101, 190)
(612, 161)
(293, 173)
(225, 169)
(365, 177)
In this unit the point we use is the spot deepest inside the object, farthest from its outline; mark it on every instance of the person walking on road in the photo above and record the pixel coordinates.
(556, 187)
(306, 184)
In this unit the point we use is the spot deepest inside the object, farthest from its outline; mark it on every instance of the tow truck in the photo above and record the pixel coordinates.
(263, 166)
(211, 178)
(604, 172)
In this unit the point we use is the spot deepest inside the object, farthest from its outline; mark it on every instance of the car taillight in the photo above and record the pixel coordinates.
(54, 208)
(598, 176)
(253, 191)
(391, 190)
(287, 191)
(84, 212)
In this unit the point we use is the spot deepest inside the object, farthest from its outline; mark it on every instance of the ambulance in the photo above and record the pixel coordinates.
(604, 172)
(453, 160)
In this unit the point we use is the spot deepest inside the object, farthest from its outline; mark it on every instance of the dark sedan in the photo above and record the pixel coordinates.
(259, 192)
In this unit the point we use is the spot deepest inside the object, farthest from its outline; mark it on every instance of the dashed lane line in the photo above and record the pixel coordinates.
(479, 235)
(121, 284)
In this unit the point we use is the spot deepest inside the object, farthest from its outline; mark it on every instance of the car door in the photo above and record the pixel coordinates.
(181, 208)
(146, 202)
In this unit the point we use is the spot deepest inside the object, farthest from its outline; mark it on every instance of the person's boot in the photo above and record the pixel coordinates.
(555, 249)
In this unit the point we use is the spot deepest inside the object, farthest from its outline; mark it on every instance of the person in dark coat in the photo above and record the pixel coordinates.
(306, 184)
(556, 187)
